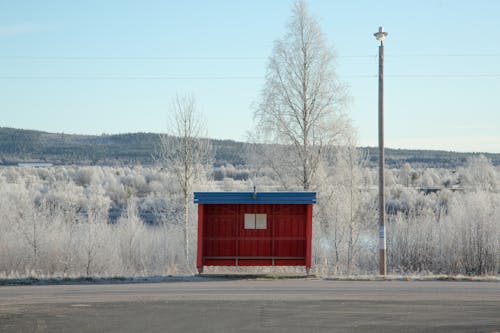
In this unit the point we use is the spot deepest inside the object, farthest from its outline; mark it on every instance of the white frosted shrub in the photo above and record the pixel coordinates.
(83, 176)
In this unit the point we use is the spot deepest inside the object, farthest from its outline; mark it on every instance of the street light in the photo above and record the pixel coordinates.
(380, 36)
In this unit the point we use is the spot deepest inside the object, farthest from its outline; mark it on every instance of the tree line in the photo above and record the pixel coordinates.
(18, 146)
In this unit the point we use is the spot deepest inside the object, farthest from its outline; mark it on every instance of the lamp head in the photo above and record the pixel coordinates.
(380, 34)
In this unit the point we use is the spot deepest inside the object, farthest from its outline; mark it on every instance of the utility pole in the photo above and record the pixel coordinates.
(380, 36)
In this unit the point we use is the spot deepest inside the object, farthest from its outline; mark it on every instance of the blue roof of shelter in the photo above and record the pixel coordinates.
(274, 198)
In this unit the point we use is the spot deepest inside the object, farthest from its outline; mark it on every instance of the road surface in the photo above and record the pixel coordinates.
(296, 305)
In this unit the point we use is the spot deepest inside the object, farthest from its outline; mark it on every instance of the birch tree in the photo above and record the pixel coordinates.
(185, 153)
(301, 104)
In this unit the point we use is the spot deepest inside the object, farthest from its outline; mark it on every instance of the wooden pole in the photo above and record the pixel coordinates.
(381, 182)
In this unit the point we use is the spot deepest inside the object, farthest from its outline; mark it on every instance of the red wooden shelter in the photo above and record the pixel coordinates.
(254, 229)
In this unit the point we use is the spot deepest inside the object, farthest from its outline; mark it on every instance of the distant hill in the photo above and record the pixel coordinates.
(27, 145)
(18, 145)
(426, 158)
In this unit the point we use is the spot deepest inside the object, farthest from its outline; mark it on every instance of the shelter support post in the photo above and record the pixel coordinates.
(199, 254)
(308, 237)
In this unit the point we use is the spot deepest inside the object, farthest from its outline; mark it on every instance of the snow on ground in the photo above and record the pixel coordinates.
(237, 276)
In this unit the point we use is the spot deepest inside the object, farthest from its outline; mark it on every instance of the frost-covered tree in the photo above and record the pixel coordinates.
(94, 230)
(301, 106)
(405, 174)
(350, 162)
(185, 152)
(339, 218)
(479, 174)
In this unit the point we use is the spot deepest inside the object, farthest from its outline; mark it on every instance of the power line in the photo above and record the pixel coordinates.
(126, 58)
(425, 76)
(227, 58)
(110, 58)
(223, 77)
(444, 75)
(463, 55)
(126, 77)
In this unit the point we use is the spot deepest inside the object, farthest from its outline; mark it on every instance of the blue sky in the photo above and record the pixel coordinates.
(93, 67)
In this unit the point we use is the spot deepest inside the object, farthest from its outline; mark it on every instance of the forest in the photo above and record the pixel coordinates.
(128, 221)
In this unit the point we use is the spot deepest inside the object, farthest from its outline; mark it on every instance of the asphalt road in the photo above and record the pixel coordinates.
(253, 306)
